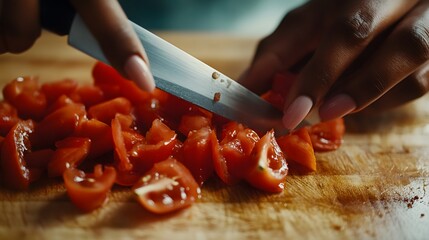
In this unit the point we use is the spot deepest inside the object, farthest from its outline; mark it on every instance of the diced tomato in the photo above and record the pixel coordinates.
(106, 111)
(167, 187)
(232, 156)
(189, 123)
(8, 117)
(105, 74)
(24, 94)
(197, 153)
(298, 148)
(58, 125)
(159, 145)
(70, 153)
(327, 136)
(89, 191)
(39, 159)
(100, 135)
(60, 102)
(53, 90)
(123, 163)
(89, 95)
(268, 165)
(14, 171)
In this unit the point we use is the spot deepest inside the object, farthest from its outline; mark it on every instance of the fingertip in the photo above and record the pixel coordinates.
(295, 113)
(336, 107)
(138, 71)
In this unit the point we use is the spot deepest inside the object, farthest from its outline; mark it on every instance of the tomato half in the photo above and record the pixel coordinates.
(167, 187)
(327, 136)
(268, 165)
(15, 173)
(89, 191)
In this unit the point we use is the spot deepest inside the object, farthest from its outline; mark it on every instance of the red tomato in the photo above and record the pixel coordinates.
(89, 191)
(197, 153)
(189, 123)
(15, 173)
(24, 94)
(298, 148)
(88, 95)
(167, 187)
(232, 156)
(327, 136)
(8, 117)
(54, 90)
(124, 163)
(58, 125)
(104, 74)
(60, 102)
(268, 165)
(106, 111)
(159, 145)
(70, 153)
(100, 135)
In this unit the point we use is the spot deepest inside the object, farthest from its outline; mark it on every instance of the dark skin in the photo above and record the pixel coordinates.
(373, 53)
(354, 55)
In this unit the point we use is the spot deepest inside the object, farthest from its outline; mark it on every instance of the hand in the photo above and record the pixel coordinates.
(357, 54)
(20, 27)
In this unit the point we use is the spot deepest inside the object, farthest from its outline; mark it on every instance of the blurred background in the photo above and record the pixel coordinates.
(241, 17)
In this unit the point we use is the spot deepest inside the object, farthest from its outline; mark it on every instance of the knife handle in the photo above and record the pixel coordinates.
(56, 16)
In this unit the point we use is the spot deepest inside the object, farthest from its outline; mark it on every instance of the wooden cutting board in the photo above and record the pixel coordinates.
(376, 186)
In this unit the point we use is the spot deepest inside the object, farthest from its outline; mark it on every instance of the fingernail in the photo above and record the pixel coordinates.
(296, 112)
(336, 107)
(138, 71)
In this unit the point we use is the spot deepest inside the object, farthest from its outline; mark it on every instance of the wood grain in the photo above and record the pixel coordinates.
(374, 187)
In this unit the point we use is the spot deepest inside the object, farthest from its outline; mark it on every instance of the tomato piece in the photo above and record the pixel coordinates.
(39, 159)
(298, 148)
(327, 136)
(268, 165)
(58, 125)
(197, 153)
(89, 95)
(123, 163)
(146, 112)
(104, 74)
(189, 123)
(107, 110)
(53, 90)
(100, 135)
(15, 173)
(232, 156)
(167, 187)
(8, 117)
(24, 94)
(159, 145)
(60, 102)
(89, 191)
(70, 153)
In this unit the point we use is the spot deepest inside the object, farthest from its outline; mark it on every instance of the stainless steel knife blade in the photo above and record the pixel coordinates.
(181, 74)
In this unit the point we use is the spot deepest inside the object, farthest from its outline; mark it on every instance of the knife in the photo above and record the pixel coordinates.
(186, 77)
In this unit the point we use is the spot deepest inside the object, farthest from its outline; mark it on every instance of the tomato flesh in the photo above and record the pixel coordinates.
(167, 187)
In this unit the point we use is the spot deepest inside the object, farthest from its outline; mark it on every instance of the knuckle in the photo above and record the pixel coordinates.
(357, 28)
(417, 38)
(419, 84)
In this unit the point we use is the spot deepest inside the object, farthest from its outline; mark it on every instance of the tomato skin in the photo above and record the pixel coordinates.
(268, 165)
(197, 153)
(189, 123)
(107, 110)
(298, 148)
(8, 117)
(15, 173)
(89, 95)
(89, 191)
(167, 187)
(123, 163)
(70, 153)
(327, 136)
(58, 125)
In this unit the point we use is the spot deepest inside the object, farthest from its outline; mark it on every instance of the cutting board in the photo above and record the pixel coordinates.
(376, 186)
